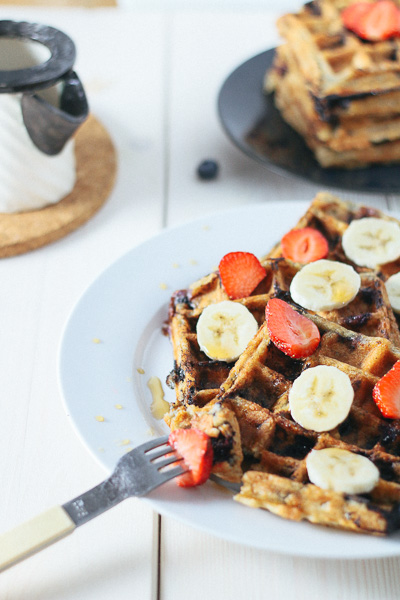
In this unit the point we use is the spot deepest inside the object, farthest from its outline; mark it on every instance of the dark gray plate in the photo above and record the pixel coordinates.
(252, 122)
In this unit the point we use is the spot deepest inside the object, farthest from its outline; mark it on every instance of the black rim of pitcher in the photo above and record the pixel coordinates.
(43, 75)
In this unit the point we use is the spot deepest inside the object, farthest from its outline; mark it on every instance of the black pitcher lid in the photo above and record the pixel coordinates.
(40, 76)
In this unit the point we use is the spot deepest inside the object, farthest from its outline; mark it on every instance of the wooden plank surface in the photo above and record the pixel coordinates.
(152, 77)
(61, 3)
(43, 462)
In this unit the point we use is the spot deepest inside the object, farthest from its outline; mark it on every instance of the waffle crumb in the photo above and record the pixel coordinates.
(124, 442)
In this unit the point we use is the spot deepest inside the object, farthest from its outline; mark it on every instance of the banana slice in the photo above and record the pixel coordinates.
(321, 398)
(393, 290)
(341, 471)
(224, 330)
(371, 242)
(325, 285)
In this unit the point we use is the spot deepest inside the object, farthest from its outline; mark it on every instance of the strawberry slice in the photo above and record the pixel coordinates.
(352, 15)
(378, 23)
(386, 393)
(304, 245)
(294, 334)
(240, 273)
(196, 450)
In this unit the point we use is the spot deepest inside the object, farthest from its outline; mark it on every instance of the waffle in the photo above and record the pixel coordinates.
(195, 377)
(243, 405)
(275, 447)
(197, 380)
(331, 216)
(252, 430)
(341, 94)
(369, 313)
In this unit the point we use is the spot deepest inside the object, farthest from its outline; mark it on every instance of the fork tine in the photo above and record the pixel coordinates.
(160, 452)
(168, 461)
(171, 473)
(134, 475)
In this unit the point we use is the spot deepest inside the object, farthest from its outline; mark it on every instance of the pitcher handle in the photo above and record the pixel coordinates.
(50, 127)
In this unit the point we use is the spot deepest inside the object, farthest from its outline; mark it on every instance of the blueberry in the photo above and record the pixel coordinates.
(208, 169)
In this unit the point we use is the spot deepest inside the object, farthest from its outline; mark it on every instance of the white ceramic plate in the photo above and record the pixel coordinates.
(115, 328)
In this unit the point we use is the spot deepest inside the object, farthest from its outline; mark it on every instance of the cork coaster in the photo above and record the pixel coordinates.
(96, 167)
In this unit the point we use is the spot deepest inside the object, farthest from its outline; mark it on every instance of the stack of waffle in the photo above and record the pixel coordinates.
(341, 93)
(243, 405)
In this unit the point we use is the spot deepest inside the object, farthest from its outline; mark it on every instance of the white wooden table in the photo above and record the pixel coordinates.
(152, 76)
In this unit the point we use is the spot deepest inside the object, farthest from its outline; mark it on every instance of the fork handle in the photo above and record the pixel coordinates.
(34, 535)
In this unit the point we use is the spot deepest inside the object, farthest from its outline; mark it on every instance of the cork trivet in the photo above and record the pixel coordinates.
(96, 167)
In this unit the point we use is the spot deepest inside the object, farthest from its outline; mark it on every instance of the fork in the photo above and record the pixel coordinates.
(136, 474)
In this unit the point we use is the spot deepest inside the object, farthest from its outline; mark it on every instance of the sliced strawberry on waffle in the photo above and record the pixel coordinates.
(380, 22)
(196, 450)
(240, 273)
(304, 245)
(352, 15)
(386, 393)
(374, 22)
(295, 335)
